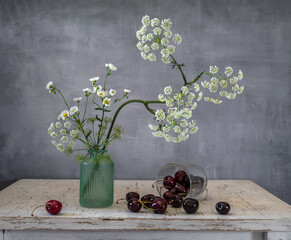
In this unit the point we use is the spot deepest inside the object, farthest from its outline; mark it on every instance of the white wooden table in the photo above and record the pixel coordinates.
(255, 214)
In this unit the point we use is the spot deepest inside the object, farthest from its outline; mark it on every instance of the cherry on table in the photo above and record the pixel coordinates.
(159, 205)
(177, 201)
(222, 207)
(180, 188)
(148, 199)
(190, 205)
(52, 206)
(131, 195)
(134, 205)
(168, 196)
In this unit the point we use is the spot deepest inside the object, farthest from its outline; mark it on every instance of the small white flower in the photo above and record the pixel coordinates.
(74, 133)
(106, 101)
(112, 92)
(94, 79)
(165, 42)
(177, 96)
(153, 127)
(144, 39)
(170, 102)
(157, 31)
(87, 90)
(168, 90)
(233, 80)
(58, 125)
(64, 114)
(161, 98)
(63, 131)
(112, 67)
(213, 87)
(231, 96)
(205, 84)
(196, 87)
(223, 83)
(191, 96)
(240, 75)
(214, 80)
(60, 147)
(144, 55)
(126, 91)
(101, 93)
(73, 110)
(158, 134)
(77, 99)
(146, 20)
(168, 33)
(139, 45)
(155, 46)
(54, 134)
(155, 22)
(177, 129)
(165, 52)
(184, 90)
(64, 139)
(67, 124)
(160, 114)
(177, 38)
(228, 71)
(166, 24)
(183, 123)
(240, 90)
(138, 35)
(150, 37)
(171, 49)
(152, 57)
(235, 87)
(213, 69)
(54, 143)
(194, 106)
(187, 113)
(200, 95)
(217, 101)
(146, 48)
(223, 93)
(143, 30)
(166, 59)
(49, 85)
(193, 130)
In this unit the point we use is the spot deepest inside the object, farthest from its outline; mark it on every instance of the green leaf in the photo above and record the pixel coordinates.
(105, 110)
(88, 134)
(99, 119)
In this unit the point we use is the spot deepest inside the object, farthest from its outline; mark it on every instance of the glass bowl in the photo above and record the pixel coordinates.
(197, 178)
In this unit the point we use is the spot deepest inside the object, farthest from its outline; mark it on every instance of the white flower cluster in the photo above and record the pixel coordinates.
(154, 37)
(174, 123)
(227, 85)
(64, 138)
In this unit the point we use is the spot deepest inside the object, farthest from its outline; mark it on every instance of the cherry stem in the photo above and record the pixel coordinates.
(171, 201)
(36, 208)
(142, 203)
(181, 194)
(120, 199)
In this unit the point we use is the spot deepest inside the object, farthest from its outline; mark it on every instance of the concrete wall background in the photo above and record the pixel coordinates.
(68, 42)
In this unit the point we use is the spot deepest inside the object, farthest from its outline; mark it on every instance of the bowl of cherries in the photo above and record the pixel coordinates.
(181, 181)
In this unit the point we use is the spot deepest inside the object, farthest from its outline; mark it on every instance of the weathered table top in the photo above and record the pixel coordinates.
(252, 209)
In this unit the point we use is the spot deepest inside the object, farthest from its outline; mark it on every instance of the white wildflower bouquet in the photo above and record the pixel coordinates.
(172, 122)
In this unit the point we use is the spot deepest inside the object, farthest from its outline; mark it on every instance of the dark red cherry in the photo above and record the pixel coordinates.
(181, 189)
(222, 207)
(134, 205)
(131, 195)
(169, 182)
(190, 205)
(179, 176)
(148, 199)
(159, 205)
(177, 201)
(168, 196)
(52, 206)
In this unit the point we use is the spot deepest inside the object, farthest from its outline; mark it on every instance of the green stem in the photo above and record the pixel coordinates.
(85, 108)
(179, 67)
(59, 91)
(122, 106)
(196, 79)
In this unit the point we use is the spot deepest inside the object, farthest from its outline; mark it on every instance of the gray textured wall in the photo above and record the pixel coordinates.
(68, 42)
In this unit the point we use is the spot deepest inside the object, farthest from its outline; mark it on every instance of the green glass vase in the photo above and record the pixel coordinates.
(97, 180)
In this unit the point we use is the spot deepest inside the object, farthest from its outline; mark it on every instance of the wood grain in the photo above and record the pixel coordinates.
(252, 209)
